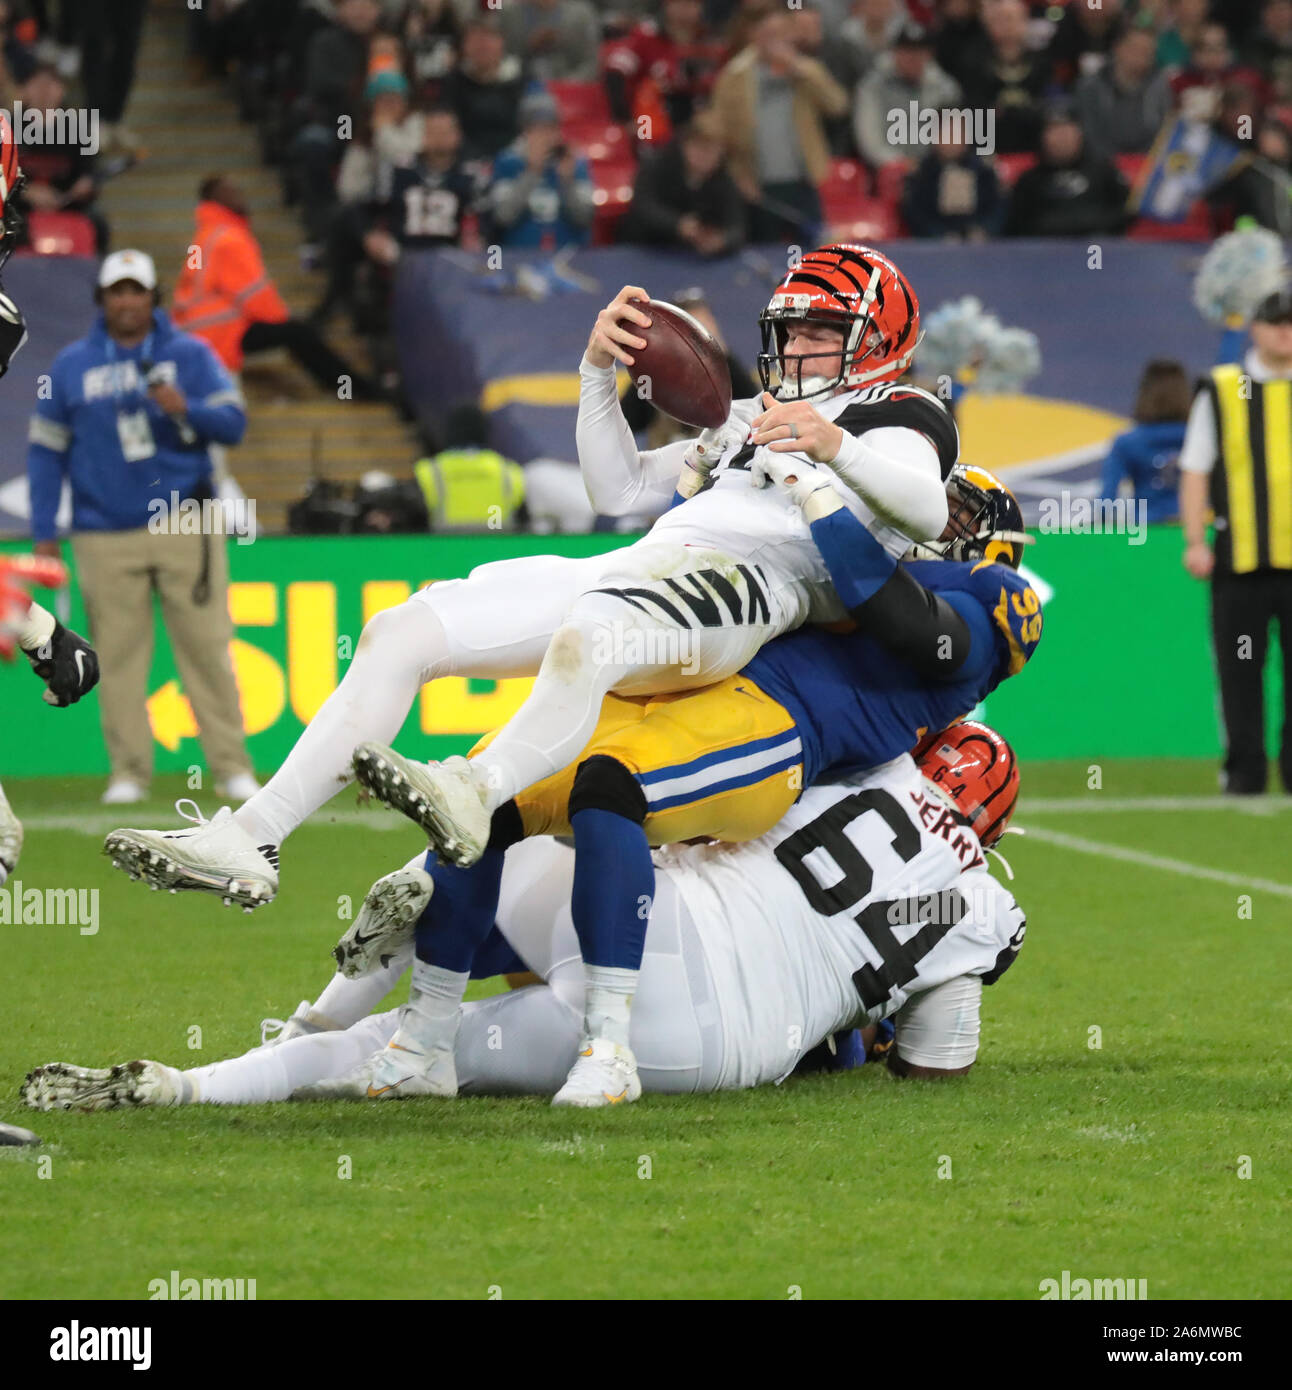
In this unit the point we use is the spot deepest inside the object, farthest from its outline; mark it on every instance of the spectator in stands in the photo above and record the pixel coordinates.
(485, 91)
(953, 193)
(432, 40)
(658, 74)
(1069, 192)
(1083, 40)
(865, 35)
(808, 35)
(960, 40)
(335, 70)
(1010, 78)
(541, 195)
(1177, 41)
(1148, 455)
(1260, 188)
(130, 451)
(17, 55)
(1270, 48)
(684, 197)
(388, 138)
(770, 102)
(60, 176)
(423, 206)
(555, 40)
(1123, 105)
(906, 74)
(1199, 89)
(109, 35)
(224, 295)
(467, 485)
(643, 417)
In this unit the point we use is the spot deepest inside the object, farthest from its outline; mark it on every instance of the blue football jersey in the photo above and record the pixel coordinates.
(857, 705)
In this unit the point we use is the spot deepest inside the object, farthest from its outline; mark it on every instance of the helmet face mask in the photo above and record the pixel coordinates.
(801, 376)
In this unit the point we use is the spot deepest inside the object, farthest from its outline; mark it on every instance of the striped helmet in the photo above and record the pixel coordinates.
(856, 290)
(11, 180)
(973, 766)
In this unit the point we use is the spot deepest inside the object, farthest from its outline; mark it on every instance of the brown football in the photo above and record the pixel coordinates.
(681, 370)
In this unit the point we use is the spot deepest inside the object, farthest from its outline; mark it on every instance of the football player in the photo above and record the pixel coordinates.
(727, 762)
(720, 574)
(870, 900)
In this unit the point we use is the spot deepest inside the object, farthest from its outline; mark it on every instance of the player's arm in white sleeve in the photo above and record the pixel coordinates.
(937, 1031)
(620, 480)
(895, 471)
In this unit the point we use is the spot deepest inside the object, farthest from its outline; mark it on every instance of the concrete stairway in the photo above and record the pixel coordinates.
(188, 126)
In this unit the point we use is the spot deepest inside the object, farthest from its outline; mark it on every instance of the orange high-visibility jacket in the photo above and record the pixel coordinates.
(224, 287)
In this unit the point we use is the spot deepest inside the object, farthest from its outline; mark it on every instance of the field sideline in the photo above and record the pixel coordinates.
(1120, 1161)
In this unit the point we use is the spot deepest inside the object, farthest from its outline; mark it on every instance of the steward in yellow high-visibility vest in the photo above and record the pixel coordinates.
(1237, 460)
(470, 489)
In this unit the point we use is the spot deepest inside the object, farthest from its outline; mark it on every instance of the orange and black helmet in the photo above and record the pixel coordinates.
(11, 180)
(856, 290)
(973, 766)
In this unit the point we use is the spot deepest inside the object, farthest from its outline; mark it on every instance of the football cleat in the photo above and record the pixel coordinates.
(301, 1024)
(123, 792)
(10, 838)
(60, 1086)
(605, 1073)
(443, 798)
(385, 922)
(215, 856)
(401, 1070)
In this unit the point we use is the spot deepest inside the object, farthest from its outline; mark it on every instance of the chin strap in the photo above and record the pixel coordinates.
(1011, 830)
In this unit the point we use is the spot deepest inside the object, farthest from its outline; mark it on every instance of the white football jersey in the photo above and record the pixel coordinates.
(867, 893)
(765, 526)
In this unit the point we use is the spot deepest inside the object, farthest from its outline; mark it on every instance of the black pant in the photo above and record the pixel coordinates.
(109, 44)
(309, 349)
(786, 212)
(1242, 607)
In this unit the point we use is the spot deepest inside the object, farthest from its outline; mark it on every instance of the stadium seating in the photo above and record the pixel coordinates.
(59, 234)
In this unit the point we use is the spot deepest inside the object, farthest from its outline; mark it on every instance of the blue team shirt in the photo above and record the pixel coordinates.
(857, 705)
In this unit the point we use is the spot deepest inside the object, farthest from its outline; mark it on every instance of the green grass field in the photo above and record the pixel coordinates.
(1117, 1161)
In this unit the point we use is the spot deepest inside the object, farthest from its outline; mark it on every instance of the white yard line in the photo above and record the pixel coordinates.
(1157, 861)
(1097, 801)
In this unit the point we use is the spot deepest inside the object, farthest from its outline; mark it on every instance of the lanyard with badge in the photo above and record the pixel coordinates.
(134, 429)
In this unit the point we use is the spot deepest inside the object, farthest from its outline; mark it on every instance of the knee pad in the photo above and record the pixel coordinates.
(605, 784)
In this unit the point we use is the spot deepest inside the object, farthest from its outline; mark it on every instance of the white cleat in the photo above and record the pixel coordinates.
(10, 838)
(443, 798)
(605, 1073)
(304, 1022)
(401, 1070)
(385, 922)
(60, 1086)
(215, 856)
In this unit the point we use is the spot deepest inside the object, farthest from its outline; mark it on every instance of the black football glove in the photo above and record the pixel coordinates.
(67, 664)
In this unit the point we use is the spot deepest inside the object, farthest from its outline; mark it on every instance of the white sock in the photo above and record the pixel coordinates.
(408, 649)
(345, 1002)
(608, 1002)
(434, 1005)
(273, 1073)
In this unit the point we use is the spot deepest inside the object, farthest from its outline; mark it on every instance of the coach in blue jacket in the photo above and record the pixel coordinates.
(127, 419)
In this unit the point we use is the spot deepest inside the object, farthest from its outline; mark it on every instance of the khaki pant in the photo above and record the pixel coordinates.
(118, 572)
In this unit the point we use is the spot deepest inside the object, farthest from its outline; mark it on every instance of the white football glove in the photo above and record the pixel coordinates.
(703, 455)
(808, 486)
